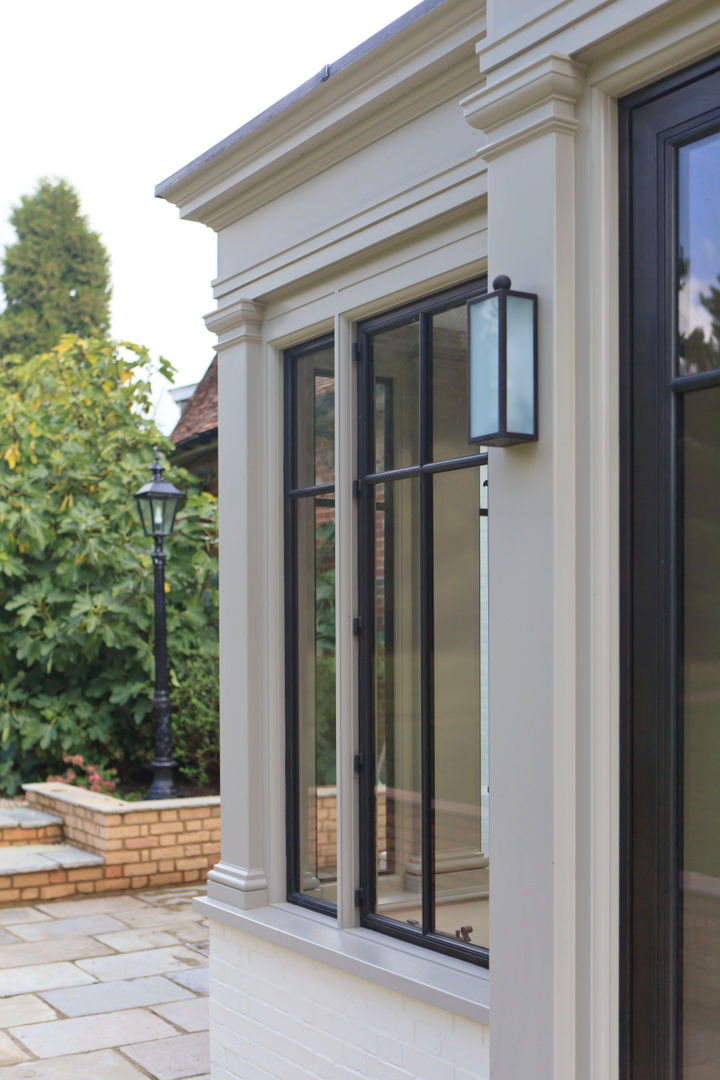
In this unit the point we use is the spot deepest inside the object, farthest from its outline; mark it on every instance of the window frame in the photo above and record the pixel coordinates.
(422, 310)
(291, 495)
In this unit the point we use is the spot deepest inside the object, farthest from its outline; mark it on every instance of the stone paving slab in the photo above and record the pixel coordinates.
(85, 925)
(25, 817)
(93, 905)
(192, 1014)
(100, 1065)
(20, 980)
(111, 996)
(172, 1059)
(84, 1033)
(24, 1009)
(10, 916)
(155, 918)
(87, 995)
(25, 953)
(10, 1052)
(33, 858)
(197, 980)
(136, 940)
(132, 965)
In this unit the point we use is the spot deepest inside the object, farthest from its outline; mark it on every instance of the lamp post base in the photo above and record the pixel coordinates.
(163, 784)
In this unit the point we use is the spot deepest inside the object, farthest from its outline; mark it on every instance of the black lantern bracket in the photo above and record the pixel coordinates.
(502, 366)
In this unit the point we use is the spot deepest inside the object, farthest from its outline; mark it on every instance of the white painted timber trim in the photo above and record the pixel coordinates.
(526, 105)
(440, 981)
(237, 877)
(371, 98)
(239, 322)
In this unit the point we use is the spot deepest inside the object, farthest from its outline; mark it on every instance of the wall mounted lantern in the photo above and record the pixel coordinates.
(502, 392)
(157, 504)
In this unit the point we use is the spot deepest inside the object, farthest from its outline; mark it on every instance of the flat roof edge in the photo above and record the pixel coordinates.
(368, 46)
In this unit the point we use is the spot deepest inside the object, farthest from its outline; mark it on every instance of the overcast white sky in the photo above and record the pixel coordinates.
(115, 97)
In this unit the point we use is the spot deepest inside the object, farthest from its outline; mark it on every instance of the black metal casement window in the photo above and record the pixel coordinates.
(310, 624)
(422, 631)
(670, 532)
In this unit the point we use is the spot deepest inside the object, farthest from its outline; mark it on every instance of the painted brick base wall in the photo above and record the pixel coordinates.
(277, 1015)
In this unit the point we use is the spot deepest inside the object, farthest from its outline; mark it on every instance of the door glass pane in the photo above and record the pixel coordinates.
(396, 366)
(317, 811)
(315, 419)
(700, 859)
(461, 863)
(450, 385)
(397, 701)
(699, 256)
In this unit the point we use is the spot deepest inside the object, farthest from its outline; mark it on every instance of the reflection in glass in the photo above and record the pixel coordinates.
(317, 811)
(450, 385)
(397, 701)
(461, 729)
(396, 364)
(700, 740)
(699, 256)
(315, 419)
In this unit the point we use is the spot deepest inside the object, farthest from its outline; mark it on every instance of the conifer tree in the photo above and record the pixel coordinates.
(56, 276)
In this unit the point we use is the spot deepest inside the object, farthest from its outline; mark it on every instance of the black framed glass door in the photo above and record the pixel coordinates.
(670, 528)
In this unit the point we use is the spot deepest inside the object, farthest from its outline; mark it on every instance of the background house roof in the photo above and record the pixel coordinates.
(200, 415)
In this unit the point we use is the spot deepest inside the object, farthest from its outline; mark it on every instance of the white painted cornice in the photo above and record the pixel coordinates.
(527, 104)
(235, 323)
(353, 108)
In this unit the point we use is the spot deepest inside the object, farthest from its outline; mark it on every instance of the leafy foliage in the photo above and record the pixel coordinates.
(196, 705)
(56, 276)
(76, 654)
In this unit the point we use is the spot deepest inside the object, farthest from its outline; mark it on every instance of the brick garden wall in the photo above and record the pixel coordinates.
(144, 844)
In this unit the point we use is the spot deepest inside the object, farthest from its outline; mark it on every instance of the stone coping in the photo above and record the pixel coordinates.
(106, 804)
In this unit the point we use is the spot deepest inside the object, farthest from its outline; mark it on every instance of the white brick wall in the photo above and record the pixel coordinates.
(277, 1015)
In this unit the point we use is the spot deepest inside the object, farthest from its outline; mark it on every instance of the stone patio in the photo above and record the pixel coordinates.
(107, 987)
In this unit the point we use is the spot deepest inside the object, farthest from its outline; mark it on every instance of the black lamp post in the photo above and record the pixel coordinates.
(157, 503)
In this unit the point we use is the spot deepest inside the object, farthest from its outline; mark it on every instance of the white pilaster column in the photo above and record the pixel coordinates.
(240, 877)
(529, 124)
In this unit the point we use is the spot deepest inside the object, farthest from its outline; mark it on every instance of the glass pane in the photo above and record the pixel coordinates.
(700, 860)
(699, 256)
(450, 385)
(397, 701)
(520, 365)
(461, 706)
(315, 419)
(484, 344)
(317, 811)
(396, 362)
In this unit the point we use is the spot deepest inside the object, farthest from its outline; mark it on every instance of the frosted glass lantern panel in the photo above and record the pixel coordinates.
(484, 346)
(520, 365)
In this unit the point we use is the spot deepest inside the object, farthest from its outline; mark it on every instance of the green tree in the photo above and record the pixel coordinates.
(56, 276)
(76, 655)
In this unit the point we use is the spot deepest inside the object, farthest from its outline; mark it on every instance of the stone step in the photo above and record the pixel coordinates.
(46, 871)
(22, 825)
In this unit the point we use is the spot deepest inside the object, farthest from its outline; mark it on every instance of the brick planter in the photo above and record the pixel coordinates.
(143, 844)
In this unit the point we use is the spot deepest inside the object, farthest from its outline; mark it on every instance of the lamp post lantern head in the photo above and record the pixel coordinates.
(502, 368)
(157, 502)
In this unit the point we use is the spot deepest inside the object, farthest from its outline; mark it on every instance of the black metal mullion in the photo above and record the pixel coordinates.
(291, 718)
(366, 641)
(427, 748)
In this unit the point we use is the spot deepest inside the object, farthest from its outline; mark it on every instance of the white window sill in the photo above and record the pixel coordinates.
(438, 980)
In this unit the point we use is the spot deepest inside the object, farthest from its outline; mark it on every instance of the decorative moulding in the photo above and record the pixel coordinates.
(236, 323)
(530, 103)
(250, 883)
